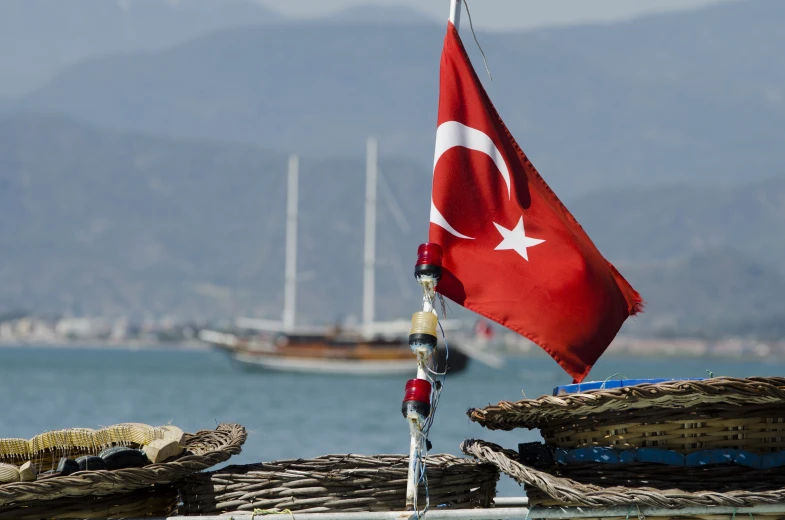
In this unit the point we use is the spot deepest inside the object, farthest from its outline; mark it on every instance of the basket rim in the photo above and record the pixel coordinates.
(718, 394)
(336, 483)
(336, 463)
(102, 482)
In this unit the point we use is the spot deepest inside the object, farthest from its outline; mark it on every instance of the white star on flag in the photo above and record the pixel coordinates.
(516, 239)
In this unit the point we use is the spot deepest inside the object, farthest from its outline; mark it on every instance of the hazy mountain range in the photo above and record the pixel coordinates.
(110, 222)
(158, 184)
(646, 102)
(107, 222)
(47, 35)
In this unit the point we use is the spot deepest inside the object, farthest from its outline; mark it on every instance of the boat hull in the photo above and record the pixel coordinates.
(324, 366)
(318, 354)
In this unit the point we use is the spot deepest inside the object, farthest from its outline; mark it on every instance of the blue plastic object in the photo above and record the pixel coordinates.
(601, 455)
(560, 456)
(751, 460)
(612, 383)
(669, 457)
(627, 457)
(659, 456)
(710, 457)
(773, 460)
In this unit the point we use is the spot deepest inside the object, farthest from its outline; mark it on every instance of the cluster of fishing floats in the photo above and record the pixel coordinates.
(422, 393)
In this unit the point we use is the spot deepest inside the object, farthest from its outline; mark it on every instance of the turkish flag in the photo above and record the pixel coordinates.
(512, 252)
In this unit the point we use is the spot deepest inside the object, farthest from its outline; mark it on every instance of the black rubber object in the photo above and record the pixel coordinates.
(535, 454)
(120, 457)
(429, 270)
(421, 408)
(67, 466)
(422, 338)
(90, 463)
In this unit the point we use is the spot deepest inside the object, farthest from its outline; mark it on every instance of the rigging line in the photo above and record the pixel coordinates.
(466, 3)
(392, 204)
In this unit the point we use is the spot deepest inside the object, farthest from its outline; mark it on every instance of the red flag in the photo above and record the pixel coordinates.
(512, 252)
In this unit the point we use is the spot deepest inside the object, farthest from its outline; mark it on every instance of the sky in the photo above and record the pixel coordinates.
(508, 14)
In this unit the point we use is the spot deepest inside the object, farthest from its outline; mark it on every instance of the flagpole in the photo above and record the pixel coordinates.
(422, 340)
(455, 12)
(418, 398)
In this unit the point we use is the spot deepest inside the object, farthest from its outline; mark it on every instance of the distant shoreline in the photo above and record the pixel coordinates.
(198, 346)
(99, 345)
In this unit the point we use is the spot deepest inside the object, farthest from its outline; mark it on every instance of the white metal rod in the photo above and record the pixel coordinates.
(413, 475)
(511, 501)
(455, 12)
(290, 276)
(414, 446)
(521, 513)
(369, 271)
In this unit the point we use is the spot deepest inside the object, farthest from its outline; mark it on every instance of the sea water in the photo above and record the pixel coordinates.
(286, 415)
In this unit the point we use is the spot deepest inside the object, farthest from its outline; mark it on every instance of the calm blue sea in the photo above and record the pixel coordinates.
(288, 416)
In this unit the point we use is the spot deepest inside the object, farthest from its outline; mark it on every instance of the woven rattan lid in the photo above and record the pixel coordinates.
(719, 395)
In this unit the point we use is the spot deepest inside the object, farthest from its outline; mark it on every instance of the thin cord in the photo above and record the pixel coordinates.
(443, 305)
(423, 480)
(475, 40)
(437, 393)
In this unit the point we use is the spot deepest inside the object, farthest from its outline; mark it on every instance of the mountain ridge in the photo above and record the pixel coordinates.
(67, 32)
(126, 224)
(583, 120)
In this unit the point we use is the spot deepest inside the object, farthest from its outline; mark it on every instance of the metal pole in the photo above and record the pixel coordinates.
(290, 277)
(535, 513)
(417, 441)
(416, 444)
(413, 477)
(455, 12)
(369, 273)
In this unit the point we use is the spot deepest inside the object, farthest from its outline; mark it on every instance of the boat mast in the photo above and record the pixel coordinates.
(369, 271)
(290, 276)
(455, 12)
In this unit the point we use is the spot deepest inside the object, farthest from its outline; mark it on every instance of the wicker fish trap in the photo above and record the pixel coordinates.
(683, 416)
(720, 478)
(202, 450)
(337, 483)
(157, 501)
(690, 434)
(591, 487)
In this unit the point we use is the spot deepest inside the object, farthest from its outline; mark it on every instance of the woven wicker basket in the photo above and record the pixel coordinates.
(79, 494)
(337, 483)
(756, 434)
(158, 501)
(683, 416)
(590, 487)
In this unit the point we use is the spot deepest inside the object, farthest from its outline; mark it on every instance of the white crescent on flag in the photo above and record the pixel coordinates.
(451, 134)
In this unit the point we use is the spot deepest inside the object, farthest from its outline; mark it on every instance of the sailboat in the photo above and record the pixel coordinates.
(375, 348)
